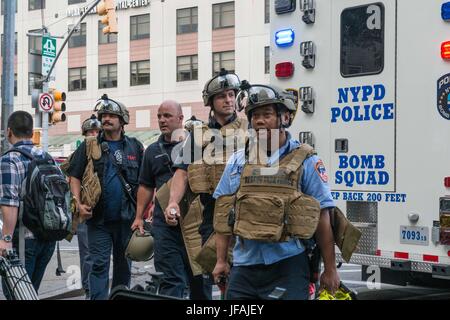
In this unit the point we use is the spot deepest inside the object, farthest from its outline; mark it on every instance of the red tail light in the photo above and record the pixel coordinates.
(445, 50)
(286, 69)
(447, 182)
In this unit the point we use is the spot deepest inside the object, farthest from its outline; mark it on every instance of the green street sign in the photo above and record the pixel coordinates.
(48, 53)
(48, 47)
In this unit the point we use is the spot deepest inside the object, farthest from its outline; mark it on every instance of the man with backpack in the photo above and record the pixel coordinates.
(23, 200)
(116, 159)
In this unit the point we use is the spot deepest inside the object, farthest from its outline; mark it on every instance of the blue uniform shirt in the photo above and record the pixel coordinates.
(313, 182)
(113, 189)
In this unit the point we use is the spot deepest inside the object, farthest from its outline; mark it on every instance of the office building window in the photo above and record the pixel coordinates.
(223, 15)
(78, 38)
(3, 46)
(223, 60)
(266, 11)
(140, 27)
(32, 84)
(77, 79)
(187, 20)
(75, 1)
(105, 38)
(35, 43)
(3, 6)
(139, 73)
(266, 59)
(187, 68)
(107, 76)
(36, 4)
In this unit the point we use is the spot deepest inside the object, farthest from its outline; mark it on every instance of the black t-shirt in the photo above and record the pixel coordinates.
(78, 162)
(156, 170)
(131, 157)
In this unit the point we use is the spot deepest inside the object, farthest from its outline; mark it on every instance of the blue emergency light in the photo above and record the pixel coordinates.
(445, 11)
(284, 38)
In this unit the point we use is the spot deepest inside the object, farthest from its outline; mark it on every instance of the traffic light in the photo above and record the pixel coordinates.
(59, 106)
(107, 9)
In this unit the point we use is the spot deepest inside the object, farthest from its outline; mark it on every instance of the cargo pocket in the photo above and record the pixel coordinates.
(198, 175)
(259, 217)
(224, 205)
(303, 216)
(132, 172)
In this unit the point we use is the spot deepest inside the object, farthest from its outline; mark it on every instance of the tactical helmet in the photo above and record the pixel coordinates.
(90, 124)
(107, 105)
(223, 81)
(254, 96)
(140, 246)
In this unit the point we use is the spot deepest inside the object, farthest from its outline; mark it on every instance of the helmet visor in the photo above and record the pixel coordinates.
(256, 94)
(92, 124)
(107, 106)
(223, 82)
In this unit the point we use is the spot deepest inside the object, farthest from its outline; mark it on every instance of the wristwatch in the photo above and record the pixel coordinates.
(7, 238)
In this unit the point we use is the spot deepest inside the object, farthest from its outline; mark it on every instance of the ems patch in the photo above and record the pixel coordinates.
(443, 96)
(320, 169)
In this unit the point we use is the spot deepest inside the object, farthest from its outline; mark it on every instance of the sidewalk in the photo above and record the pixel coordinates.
(68, 285)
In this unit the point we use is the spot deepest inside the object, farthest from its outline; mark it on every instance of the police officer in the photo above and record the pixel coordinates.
(271, 206)
(90, 128)
(110, 220)
(219, 94)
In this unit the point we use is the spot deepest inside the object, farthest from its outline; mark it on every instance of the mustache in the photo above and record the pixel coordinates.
(107, 122)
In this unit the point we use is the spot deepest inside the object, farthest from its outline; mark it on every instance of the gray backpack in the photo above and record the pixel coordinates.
(45, 199)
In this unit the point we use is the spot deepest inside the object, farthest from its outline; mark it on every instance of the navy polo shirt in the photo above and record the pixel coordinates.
(157, 169)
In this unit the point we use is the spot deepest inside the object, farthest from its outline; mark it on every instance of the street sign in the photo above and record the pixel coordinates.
(46, 102)
(48, 53)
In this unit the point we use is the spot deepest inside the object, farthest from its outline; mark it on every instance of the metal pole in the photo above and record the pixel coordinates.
(44, 119)
(68, 37)
(8, 48)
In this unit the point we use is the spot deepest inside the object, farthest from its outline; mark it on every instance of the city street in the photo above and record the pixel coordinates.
(67, 285)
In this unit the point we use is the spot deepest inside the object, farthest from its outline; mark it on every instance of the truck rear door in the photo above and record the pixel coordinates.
(363, 97)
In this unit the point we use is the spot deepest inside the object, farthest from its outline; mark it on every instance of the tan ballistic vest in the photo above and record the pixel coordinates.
(268, 205)
(203, 177)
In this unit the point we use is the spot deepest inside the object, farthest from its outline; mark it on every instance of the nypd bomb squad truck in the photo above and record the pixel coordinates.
(373, 80)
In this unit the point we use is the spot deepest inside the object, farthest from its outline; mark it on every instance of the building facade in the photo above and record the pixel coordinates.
(164, 50)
